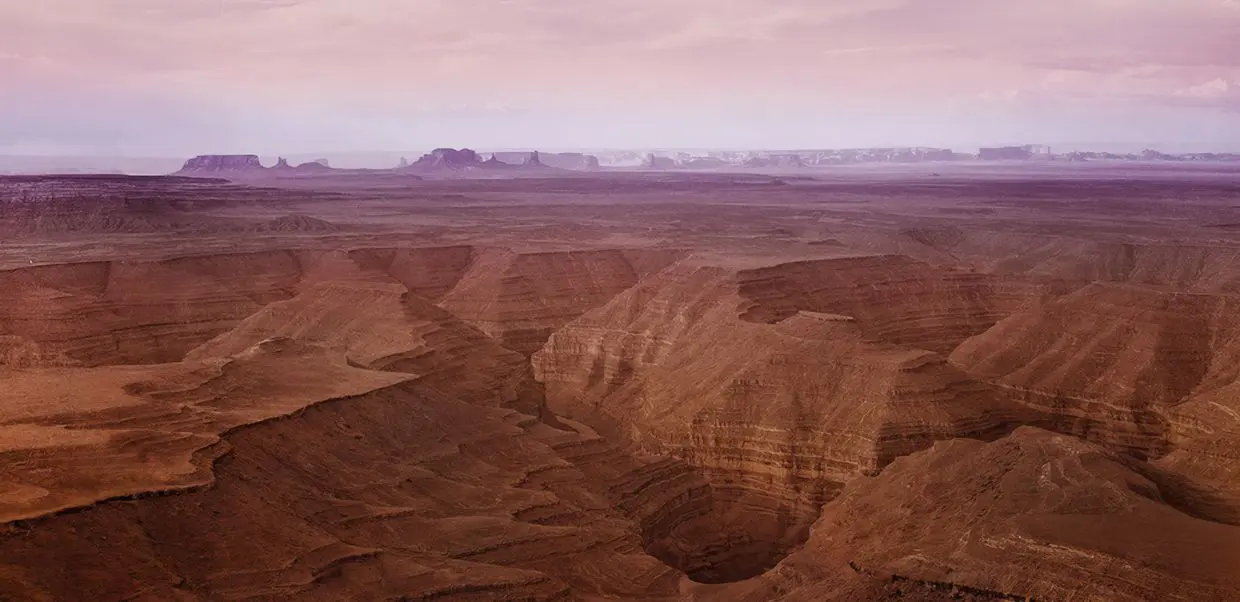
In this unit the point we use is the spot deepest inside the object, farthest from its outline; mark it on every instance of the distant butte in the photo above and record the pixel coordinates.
(214, 164)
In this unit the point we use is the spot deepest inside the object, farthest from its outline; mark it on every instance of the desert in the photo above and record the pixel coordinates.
(482, 376)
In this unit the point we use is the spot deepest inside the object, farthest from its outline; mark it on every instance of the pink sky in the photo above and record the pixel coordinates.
(271, 76)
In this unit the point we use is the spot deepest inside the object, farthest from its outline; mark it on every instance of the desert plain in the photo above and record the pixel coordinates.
(977, 382)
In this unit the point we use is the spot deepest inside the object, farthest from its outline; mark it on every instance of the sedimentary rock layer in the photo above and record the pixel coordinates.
(1035, 515)
(520, 299)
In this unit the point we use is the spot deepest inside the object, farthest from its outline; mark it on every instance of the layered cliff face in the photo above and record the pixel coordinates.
(521, 298)
(777, 414)
(107, 313)
(1109, 361)
(893, 299)
(1035, 515)
(382, 326)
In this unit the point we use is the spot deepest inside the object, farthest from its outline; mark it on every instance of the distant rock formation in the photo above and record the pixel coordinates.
(314, 166)
(532, 160)
(704, 163)
(782, 160)
(574, 161)
(1009, 153)
(656, 162)
(495, 163)
(282, 164)
(324, 162)
(222, 164)
(403, 163)
(448, 159)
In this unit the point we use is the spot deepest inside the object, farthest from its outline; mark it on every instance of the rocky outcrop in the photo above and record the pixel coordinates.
(776, 414)
(281, 164)
(1035, 515)
(221, 164)
(1109, 361)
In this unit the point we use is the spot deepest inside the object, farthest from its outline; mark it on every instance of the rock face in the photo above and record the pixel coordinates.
(520, 299)
(1035, 515)
(221, 164)
(681, 365)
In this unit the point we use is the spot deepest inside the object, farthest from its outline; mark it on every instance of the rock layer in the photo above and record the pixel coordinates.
(520, 299)
(1034, 515)
(777, 416)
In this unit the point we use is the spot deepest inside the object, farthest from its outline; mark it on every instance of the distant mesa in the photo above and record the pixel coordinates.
(573, 161)
(450, 159)
(447, 159)
(403, 163)
(654, 161)
(243, 165)
(213, 164)
(1014, 153)
(783, 160)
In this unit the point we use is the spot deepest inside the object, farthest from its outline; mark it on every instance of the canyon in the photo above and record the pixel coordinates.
(541, 381)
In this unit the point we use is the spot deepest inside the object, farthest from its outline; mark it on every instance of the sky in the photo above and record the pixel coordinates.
(183, 77)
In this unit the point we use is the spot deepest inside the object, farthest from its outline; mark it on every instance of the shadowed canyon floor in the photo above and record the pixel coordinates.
(841, 385)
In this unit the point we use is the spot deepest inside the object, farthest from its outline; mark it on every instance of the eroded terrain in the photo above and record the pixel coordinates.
(846, 385)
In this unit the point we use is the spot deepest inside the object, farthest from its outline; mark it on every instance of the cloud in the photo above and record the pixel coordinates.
(415, 59)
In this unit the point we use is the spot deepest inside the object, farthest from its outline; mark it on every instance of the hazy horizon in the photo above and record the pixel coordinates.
(149, 78)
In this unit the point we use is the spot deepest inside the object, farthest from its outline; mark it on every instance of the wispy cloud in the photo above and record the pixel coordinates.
(405, 58)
